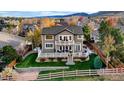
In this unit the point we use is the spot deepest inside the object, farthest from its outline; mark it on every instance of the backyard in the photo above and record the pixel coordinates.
(29, 61)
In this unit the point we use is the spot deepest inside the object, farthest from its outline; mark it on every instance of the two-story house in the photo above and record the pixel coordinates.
(59, 41)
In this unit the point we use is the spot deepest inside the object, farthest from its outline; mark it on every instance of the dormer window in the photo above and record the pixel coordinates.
(49, 37)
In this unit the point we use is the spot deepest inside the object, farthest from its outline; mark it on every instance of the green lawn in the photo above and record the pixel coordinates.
(29, 61)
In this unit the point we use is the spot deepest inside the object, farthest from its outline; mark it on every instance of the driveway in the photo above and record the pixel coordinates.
(25, 76)
(8, 39)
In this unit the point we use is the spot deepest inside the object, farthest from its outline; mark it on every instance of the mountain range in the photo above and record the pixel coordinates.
(57, 14)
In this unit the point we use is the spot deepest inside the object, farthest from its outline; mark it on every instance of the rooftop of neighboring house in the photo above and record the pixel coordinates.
(1, 52)
(28, 26)
(76, 30)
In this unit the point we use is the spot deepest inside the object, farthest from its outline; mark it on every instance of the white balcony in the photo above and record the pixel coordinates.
(64, 42)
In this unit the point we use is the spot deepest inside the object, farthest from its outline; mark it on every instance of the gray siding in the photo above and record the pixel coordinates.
(56, 38)
(63, 33)
(46, 41)
(78, 41)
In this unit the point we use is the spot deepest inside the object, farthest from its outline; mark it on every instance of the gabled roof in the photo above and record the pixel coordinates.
(76, 30)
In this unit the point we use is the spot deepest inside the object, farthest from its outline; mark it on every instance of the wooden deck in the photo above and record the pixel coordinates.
(61, 55)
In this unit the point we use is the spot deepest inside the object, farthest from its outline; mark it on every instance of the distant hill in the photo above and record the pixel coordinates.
(60, 16)
(100, 13)
(108, 13)
(57, 14)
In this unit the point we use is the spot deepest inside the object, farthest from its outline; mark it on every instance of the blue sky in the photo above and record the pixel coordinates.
(33, 13)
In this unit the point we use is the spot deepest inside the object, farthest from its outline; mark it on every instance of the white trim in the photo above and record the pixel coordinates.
(49, 39)
(49, 47)
(72, 38)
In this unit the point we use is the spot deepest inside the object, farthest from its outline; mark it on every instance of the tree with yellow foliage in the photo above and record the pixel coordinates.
(34, 37)
(7, 73)
(73, 20)
(20, 25)
(108, 46)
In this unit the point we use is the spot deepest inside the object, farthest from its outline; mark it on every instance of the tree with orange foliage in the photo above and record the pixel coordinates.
(112, 21)
(91, 25)
(48, 22)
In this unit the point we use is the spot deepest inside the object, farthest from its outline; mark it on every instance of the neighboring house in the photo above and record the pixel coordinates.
(1, 53)
(60, 22)
(95, 33)
(59, 41)
(2, 24)
(26, 28)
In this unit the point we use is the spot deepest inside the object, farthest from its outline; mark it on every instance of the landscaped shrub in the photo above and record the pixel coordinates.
(51, 59)
(83, 59)
(59, 59)
(43, 59)
(98, 63)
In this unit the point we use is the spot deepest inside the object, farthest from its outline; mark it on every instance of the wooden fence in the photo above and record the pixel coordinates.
(76, 73)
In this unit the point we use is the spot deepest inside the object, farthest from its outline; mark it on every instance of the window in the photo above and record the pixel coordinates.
(70, 38)
(49, 45)
(49, 37)
(70, 48)
(60, 37)
(77, 47)
(60, 47)
(65, 37)
(79, 36)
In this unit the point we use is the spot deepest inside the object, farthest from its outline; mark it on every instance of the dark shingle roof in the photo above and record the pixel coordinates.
(77, 30)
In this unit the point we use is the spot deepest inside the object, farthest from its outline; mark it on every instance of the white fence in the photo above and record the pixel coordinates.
(76, 73)
(78, 54)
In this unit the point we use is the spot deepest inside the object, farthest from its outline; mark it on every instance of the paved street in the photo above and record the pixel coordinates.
(7, 39)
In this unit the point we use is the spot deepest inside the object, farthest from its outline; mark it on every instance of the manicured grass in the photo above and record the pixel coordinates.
(78, 66)
(29, 61)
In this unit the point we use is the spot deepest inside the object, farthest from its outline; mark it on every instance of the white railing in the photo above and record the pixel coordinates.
(31, 69)
(75, 73)
(64, 42)
(45, 55)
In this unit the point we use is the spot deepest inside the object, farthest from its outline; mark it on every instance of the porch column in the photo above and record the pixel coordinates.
(70, 60)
